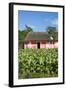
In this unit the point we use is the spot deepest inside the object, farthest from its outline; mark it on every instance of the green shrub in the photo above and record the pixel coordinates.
(37, 63)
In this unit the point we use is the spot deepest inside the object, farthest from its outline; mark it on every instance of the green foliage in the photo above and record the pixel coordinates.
(22, 34)
(38, 63)
(52, 31)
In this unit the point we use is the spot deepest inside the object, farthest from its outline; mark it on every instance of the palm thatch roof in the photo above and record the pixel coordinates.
(39, 36)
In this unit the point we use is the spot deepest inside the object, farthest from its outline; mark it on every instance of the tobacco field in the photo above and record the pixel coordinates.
(37, 63)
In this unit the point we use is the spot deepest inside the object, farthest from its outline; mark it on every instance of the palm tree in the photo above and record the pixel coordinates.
(28, 29)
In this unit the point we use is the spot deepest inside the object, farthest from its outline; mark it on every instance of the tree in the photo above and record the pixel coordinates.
(22, 34)
(28, 29)
(52, 31)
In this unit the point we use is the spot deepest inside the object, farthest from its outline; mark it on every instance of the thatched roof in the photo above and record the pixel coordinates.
(38, 36)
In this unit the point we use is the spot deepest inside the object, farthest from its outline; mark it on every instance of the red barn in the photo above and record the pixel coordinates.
(40, 40)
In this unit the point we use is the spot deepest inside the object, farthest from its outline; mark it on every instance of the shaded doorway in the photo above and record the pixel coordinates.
(38, 45)
(23, 45)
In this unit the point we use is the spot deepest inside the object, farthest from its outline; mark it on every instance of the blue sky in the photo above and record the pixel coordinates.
(38, 20)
